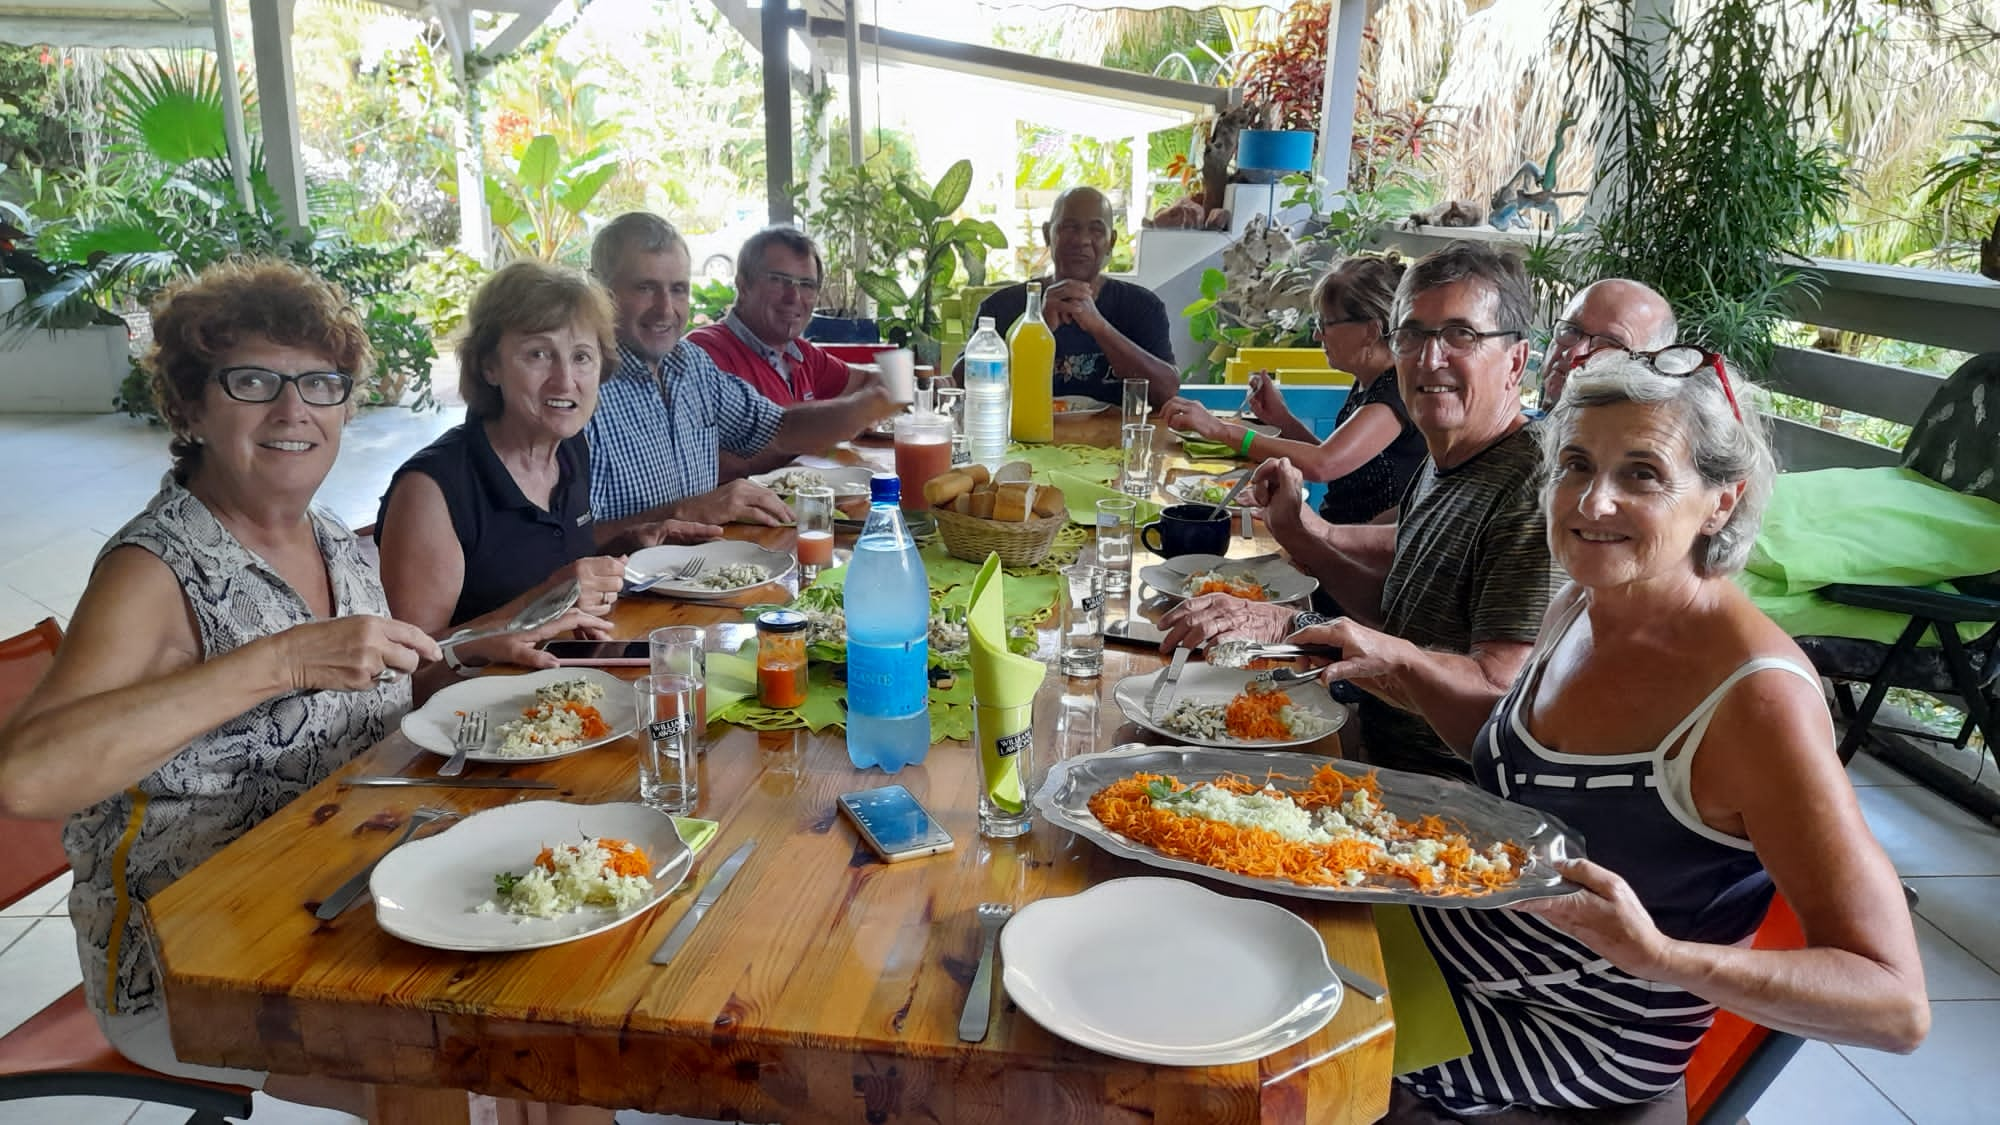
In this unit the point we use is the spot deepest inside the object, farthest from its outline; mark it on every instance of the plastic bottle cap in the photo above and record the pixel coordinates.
(885, 488)
(986, 324)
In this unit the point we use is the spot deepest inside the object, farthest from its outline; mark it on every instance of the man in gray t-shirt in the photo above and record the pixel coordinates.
(1445, 601)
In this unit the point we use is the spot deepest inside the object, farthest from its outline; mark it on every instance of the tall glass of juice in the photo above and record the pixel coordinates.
(813, 505)
(923, 451)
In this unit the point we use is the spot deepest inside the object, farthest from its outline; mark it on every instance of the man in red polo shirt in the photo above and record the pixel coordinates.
(778, 275)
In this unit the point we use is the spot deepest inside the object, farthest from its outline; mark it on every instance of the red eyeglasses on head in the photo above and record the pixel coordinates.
(1681, 361)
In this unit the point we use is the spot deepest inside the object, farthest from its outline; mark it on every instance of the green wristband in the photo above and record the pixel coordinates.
(1249, 435)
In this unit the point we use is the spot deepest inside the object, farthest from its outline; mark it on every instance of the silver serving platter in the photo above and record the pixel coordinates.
(1064, 800)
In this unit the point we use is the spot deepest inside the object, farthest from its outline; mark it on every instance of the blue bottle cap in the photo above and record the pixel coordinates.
(885, 488)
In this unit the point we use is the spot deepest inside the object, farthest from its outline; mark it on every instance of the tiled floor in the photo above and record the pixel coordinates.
(75, 479)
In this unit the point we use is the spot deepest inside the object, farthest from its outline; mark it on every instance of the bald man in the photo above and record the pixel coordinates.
(1106, 330)
(1613, 313)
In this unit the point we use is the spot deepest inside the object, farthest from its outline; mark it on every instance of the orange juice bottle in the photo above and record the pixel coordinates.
(1031, 364)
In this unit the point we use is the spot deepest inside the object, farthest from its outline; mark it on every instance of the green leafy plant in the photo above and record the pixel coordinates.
(1261, 298)
(1288, 73)
(538, 206)
(709, 302)
(932, 250)
(1966, 184)
(856, 211)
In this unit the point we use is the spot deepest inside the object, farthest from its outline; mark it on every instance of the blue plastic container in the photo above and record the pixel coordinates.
(1275, 150)
(887, 600)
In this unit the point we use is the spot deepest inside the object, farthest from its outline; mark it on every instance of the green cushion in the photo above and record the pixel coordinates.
(1875, 527)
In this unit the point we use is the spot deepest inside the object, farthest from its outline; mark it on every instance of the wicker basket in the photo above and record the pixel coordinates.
(1017, 544)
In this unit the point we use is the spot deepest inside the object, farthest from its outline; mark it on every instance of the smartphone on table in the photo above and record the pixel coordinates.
(1135, 631)
(895, 824)
(598, 654)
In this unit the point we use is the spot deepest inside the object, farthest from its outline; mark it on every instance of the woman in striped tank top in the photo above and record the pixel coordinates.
(1587, 1007)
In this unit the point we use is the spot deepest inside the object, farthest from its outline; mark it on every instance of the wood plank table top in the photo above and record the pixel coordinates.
(825, 986)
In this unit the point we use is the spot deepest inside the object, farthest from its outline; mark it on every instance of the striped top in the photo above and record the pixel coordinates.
(655, 434)
(1551, 1022)
(128, 847)
(1471, 565)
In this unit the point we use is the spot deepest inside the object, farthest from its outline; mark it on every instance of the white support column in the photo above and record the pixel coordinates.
(232, 101)
(1135, 207)
(1343, 75)
(475, 225)
(278, 109)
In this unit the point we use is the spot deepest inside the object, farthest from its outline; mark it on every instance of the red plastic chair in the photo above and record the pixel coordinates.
(1736, 1061)
(60, 1052)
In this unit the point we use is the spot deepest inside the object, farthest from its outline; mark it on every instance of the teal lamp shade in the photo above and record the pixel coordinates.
(1275, 150)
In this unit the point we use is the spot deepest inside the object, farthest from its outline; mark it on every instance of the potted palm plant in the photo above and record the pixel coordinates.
(908, 284)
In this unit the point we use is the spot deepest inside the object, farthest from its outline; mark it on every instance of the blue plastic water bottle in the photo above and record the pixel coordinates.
(887, 599)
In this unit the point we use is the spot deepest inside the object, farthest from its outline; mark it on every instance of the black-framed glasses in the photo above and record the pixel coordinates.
(806, 285)
(1682, 361)
(259, 384)
(1457, 339)
(1569, 334)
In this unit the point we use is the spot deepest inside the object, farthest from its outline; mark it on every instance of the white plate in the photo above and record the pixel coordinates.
(1183, 490)
(503, 698)
(428, 891)
(1080, 406)
(1283, 584)
(1205, 683)
(1168, 972)
(849, 476)
(720, 553)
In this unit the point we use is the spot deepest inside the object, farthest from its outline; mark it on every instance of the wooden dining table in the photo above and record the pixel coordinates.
(824, 986)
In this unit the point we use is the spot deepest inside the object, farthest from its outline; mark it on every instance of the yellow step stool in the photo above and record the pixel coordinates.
(1303, 367)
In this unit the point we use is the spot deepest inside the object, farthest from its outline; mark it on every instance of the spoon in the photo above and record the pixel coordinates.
(537, 613)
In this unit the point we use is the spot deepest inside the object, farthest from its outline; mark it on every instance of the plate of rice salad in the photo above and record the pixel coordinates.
(605, 865)
(729, 567)
(1308, 826)
(1226, 707)
(533, 717)
(1262, 580)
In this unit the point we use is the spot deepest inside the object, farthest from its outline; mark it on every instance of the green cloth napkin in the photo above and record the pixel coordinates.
(695, 833)
(1196, 448)
(1000, 678)
(1428, 1030)
(1082, 496)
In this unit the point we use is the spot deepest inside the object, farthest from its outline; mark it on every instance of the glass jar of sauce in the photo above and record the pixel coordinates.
(781, 658)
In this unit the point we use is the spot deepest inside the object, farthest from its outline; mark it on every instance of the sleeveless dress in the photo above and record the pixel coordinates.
(1551, 1022)
(128, 847)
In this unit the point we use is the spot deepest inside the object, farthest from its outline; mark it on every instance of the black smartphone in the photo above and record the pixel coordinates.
(1135, 631)
(602, 654)
(894, 823)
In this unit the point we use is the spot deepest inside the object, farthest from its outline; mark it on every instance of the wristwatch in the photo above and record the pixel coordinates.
(1307, 620)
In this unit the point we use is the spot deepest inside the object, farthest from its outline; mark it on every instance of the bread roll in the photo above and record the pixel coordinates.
(980, 477)
(1014, 472)
(963, 505)
(942, 489)
(1049, 501)
(982, 504)
(1013, 502)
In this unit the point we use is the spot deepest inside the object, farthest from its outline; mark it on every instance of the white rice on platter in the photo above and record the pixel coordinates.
(549, 727)
(580, 879)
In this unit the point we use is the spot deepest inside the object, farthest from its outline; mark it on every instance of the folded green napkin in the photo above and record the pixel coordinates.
(1428, 1031)
(1082, 496)
(1195, 448)
(695, 833)
(1001, 679)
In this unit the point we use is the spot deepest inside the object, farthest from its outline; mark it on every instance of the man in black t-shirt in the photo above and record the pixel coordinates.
(1106, 330)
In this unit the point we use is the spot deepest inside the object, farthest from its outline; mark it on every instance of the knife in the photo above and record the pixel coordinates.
(1170, 685)
(452, 782)
(717, 884)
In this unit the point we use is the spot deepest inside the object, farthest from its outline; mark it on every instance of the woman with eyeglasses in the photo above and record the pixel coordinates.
(1374, 449)
(233, 647)
(1710, 784)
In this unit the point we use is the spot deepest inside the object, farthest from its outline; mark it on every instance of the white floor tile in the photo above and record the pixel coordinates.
(1967, 908)
(69, 1111)
(18, 612)
(1819, 1087)
(11, 930)
(38, 969)
(55, 571)
(1866, 770)
(51, 897)
(1925, 834)
(1950, 1080)
(1951, 972)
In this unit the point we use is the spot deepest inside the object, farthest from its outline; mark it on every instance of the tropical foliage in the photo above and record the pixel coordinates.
(907, 286)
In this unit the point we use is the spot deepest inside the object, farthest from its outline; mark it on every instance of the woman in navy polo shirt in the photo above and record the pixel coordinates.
(497, 510)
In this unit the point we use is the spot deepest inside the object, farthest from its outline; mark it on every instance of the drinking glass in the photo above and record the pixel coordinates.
(669, 763)
(951, 407)
(681, 650)
(1083, 620)
(1138, 401)
(1115, 519)
(923, 451)
(1006, 740)
(813, 507)
(1137, 477)
(899, 374)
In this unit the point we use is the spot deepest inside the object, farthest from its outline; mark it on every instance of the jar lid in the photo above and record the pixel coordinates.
(782, 621)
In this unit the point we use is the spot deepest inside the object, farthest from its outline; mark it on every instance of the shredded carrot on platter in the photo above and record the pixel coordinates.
(1254, 714)
(621, 858)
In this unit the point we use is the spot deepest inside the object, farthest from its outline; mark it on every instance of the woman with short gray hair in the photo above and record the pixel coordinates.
(1594, 1001)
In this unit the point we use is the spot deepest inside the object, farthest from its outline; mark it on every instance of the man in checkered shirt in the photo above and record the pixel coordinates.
(665, 413)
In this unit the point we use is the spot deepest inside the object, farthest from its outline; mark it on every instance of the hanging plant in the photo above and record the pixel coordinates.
(1287, 74)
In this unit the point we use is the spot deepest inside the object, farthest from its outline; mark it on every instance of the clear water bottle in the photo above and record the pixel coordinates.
(988, 406)
(887, 599)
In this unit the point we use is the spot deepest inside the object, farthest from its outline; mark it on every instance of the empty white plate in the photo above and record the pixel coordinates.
(1165, 971)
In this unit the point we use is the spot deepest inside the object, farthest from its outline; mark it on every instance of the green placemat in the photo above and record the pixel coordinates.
(695, 833)
(1084, 460)
(1082, 496)
(732, 698)
(1428, 1030)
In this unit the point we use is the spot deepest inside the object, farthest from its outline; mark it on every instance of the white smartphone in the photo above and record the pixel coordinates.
(894, 823)
(598, 654)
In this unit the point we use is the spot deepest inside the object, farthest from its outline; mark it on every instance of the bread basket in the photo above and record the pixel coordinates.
(1017, 544)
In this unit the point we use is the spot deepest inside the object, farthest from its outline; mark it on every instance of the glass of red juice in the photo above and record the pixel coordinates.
(923, 451)
(813, 508)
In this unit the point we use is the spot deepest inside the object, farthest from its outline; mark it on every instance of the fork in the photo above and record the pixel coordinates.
(344, 897)
(690, 568)
(471, 736)
(979, 1003)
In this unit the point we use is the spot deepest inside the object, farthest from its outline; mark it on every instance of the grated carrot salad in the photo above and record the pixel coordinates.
(1127, 808)
(621, 858)
(1254, 714)
(1238, 587)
